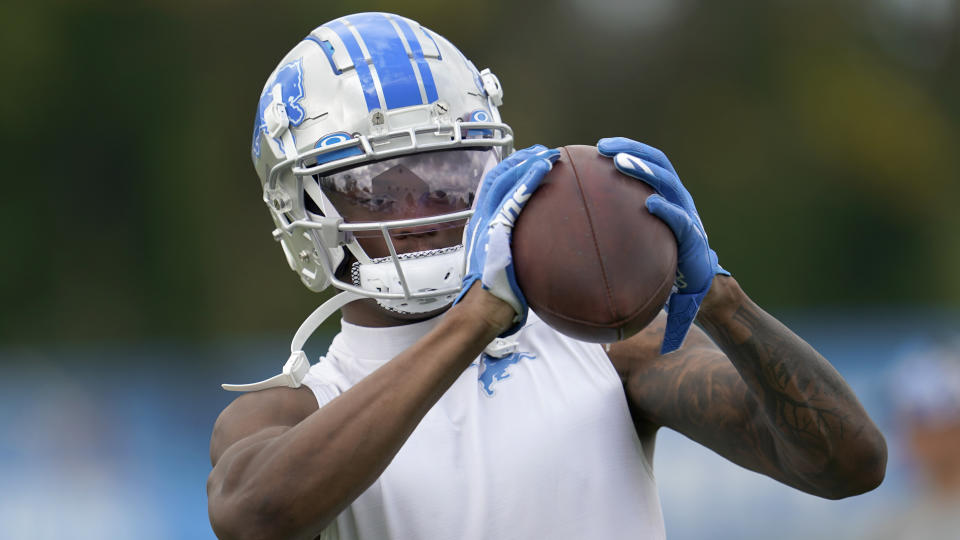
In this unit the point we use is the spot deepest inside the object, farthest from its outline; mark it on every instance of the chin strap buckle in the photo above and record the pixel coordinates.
(297, 365)
(293, 373)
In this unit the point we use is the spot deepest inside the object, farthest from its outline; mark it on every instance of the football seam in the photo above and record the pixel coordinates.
(612, 324)
(593, 235)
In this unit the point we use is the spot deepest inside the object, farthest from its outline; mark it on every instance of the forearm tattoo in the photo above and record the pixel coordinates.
(801, 396)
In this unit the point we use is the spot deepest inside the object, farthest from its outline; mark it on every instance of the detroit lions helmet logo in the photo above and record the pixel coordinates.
(290, 80)
(494, 370)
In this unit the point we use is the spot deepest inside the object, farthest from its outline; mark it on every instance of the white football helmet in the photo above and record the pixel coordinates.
(359, 89)
(374, 126)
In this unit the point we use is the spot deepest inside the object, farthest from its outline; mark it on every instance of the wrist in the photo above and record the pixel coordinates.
(479, 305)
(722, 300)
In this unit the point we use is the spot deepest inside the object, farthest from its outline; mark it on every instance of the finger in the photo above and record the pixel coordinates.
(520, 156)
(614, 145)
(535, 166)
(675, 217)
(504, 186)
(661, 180)
(537, 152)
(512, 191)
(515, 199)
(696, 262)
(537, 171)
(498, 182)
(532, 148)
(691, 240)
(506, 165)
(611, 146)
(551, 155)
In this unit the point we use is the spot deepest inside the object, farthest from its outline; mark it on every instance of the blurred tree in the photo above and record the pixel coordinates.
(819, 139)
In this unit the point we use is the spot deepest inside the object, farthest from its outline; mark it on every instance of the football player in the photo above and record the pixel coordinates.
(444, 408)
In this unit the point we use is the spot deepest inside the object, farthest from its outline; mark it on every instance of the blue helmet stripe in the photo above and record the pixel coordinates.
(399, 82)
(430, 88)
(327, 49)
(359, 63)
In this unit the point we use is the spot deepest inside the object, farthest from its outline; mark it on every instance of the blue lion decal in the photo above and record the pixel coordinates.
(290, 79)
(493, 370)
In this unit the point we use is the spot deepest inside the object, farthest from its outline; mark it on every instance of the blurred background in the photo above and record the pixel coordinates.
(137, 272)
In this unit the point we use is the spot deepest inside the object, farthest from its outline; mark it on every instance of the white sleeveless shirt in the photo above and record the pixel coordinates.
(539, 444)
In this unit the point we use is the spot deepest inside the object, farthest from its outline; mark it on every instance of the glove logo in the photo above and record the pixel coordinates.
(681, 280)
(511, 208)
(290, 80)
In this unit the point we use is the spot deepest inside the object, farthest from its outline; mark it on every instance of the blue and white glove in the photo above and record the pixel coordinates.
(696, 262)
(501, 196)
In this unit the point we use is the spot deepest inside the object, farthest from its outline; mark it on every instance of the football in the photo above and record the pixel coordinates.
(591, 261)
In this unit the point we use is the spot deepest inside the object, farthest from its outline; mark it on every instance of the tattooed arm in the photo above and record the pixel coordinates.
(756, 394)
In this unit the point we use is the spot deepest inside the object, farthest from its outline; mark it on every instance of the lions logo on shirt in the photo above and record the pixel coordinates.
(494, 370)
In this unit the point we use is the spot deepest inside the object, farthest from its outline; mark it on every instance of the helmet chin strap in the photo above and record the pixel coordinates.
(297, 366)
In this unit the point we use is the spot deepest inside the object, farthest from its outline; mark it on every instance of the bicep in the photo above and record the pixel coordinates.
(240, 445)
(695, 391)
(256, 416)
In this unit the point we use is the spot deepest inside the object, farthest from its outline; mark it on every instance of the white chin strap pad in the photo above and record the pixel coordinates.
(293, 372)
(424, 271)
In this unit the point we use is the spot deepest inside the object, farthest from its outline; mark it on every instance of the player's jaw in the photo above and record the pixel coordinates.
(405, 240)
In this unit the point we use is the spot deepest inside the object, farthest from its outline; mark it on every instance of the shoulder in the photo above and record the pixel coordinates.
(255, 412)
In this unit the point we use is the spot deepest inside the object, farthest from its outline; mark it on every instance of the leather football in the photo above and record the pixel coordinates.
(591, 261)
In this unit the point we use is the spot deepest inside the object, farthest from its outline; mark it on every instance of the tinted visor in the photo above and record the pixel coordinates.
(408, 187)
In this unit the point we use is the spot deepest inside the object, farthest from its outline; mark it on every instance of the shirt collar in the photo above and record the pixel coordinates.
(380, 344)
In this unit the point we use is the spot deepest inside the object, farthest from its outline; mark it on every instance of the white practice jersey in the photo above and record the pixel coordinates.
(538, 444)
